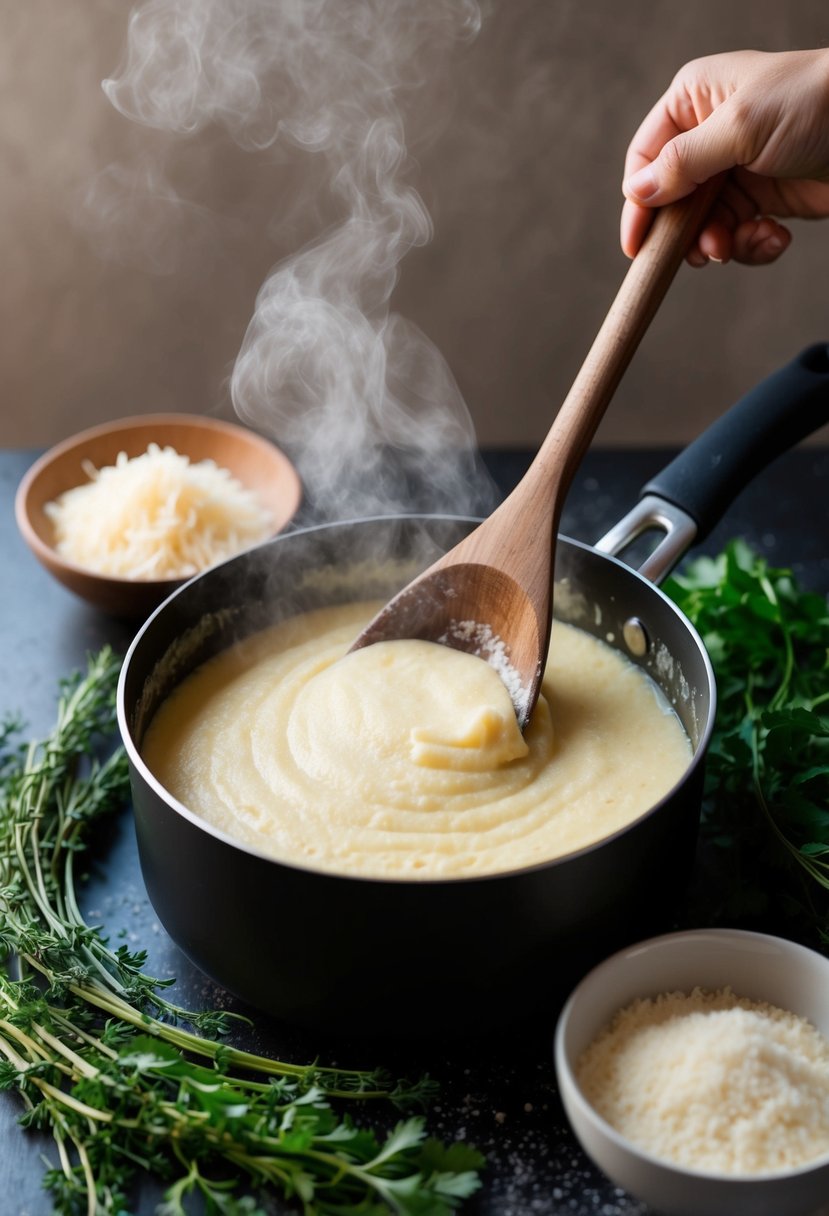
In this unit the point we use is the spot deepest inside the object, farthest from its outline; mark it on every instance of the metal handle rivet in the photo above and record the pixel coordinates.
(636, 637)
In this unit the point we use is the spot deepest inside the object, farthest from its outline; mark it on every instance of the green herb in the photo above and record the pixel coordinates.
(765, 823)
(101, 1059)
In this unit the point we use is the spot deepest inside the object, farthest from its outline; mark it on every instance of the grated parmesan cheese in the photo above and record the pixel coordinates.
(489, 646)
(712, 1081)
(156, 516)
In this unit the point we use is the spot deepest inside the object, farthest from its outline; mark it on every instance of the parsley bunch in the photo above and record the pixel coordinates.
(101, 1059)
(765, 822)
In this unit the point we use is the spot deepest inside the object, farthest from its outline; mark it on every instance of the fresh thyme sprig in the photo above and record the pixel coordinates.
(106, 1063)
(766, 811)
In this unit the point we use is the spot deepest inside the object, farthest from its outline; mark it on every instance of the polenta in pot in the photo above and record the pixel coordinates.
(404, 759)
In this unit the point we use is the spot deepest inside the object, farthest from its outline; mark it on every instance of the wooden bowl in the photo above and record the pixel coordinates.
(255, 462)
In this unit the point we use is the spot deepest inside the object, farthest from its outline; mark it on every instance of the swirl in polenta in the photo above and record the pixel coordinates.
(404, 759)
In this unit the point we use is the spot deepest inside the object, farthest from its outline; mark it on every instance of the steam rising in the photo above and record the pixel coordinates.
(135, 217)
(360, 397)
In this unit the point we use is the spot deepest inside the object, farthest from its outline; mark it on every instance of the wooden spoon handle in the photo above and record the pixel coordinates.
(643, 288)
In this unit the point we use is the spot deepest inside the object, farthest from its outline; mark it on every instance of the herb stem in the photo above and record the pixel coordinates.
(95, 1052)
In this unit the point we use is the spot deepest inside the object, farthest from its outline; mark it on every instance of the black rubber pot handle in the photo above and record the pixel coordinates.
(783, 409)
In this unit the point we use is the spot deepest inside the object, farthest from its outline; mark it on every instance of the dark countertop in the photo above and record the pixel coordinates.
(501, 1095)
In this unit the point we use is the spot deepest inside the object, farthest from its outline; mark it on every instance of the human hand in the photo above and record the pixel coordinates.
(761, 118)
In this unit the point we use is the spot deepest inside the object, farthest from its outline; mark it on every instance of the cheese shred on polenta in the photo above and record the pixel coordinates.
(156, 516)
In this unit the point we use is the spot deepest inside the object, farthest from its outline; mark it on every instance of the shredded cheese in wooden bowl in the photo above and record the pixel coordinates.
(122, 513)
(156, 516)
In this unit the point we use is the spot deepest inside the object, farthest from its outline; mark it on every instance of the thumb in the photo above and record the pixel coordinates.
(685, 162)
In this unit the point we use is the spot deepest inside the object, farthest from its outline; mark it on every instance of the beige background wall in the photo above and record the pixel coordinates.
(517, 150)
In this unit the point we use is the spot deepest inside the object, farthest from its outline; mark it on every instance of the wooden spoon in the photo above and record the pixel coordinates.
(492, 593)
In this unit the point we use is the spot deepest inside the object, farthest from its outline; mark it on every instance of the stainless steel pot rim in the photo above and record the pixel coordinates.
(137, 762)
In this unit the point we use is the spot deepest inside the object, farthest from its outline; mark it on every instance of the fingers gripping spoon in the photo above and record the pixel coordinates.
(492, 593)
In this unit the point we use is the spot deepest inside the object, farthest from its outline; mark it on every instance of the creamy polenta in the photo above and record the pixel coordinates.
(404, 759)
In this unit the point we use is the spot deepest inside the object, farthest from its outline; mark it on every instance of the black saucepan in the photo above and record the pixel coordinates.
(438, 957)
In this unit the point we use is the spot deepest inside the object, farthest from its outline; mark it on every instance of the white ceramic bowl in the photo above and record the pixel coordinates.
(754, 965)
